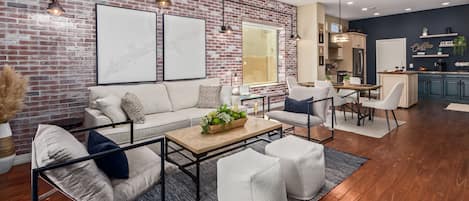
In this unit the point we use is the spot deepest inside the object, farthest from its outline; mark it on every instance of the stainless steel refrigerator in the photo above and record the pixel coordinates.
(359, 63)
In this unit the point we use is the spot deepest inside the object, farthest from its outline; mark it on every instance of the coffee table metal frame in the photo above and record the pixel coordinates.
(197, 158)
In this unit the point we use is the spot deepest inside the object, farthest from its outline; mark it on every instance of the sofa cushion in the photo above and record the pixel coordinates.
(155, 125)
(81, 181)
(133, 108)
(144, 173)
(194, 114)
(111, 107)
(209, 96)
(185, 94)
(114, 165)
(294, 119)
(153, 97)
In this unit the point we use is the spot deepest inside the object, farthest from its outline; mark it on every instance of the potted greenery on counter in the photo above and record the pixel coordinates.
(222, 119)
(460, 45)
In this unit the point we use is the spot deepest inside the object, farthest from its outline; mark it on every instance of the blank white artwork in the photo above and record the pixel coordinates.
(126, 41)
(184, 48)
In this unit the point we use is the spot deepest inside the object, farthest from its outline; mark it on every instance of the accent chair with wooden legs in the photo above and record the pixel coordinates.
(389, 103)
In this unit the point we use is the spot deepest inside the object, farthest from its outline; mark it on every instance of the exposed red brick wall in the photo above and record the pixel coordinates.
(58, 53)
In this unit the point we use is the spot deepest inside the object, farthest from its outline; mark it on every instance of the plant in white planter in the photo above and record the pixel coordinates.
(12, 91)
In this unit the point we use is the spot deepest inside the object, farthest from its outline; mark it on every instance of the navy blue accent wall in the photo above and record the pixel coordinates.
(410, 26)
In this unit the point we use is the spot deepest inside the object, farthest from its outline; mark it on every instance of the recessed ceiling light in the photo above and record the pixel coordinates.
(376, 14)
(350, 3)
(445, 3)
(408, 9)
(364, 9)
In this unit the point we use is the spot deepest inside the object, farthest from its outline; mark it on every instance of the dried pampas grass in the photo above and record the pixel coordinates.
(12, 91)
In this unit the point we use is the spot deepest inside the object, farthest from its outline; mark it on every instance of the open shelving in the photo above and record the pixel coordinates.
(440, 35)
(430, 56)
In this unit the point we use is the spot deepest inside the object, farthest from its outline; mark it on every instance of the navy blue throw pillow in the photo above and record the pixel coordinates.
(298, 106)
(114, 165)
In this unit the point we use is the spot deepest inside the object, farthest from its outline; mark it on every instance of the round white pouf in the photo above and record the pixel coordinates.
(250, 176)
(303, 166)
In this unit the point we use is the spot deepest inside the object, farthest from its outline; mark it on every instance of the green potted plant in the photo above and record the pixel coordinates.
(12, 92)
(347, 80)
(460, 45)
(222, 119)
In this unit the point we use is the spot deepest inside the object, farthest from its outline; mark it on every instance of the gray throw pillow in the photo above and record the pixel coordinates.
(133, 108)
(209, 96)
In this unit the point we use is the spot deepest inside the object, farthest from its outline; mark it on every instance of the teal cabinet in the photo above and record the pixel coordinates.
(444, 87)
(452, 88)
(465, 89)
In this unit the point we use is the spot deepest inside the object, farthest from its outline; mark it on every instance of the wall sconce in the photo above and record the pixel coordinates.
(293, 35)
(55, 8)
(163, 4)
(225, 28)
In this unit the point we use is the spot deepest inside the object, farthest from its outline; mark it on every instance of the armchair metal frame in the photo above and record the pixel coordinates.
(37, 173)
(309, 118)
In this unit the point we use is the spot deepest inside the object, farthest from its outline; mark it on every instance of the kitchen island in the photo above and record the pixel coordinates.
(409, 93)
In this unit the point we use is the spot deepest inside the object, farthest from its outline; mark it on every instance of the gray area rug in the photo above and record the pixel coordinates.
(179, 187)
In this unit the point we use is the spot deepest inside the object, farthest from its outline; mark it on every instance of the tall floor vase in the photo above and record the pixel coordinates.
(7, 148)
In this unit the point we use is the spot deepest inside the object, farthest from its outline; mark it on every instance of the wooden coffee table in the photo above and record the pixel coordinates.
(203, 147)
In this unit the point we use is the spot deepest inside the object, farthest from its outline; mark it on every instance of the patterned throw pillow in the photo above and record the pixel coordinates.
(209, 96)
(133, 108)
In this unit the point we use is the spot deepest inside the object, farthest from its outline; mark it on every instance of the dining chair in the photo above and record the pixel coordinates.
(292, 83)
(339, 101)
(355, 80)
(389, 103)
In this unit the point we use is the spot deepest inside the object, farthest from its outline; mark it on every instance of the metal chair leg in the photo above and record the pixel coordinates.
(387, 120)
(395, 119)
(343, 109)
(335, 115)
(309, 133)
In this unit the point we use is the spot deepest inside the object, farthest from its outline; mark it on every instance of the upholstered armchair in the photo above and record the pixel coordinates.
(62, 161)
(316, 107)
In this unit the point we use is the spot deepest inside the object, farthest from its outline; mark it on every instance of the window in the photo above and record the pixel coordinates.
(260, 54)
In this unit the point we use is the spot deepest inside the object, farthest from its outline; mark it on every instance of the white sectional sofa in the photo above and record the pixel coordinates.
(167, 106)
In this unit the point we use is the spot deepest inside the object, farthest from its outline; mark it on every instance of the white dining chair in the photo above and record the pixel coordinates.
(389, 103)
(292, 83)
(339, 101)
(355, 80)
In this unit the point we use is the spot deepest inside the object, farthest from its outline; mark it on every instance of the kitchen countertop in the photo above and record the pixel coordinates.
(445, 72)
(400, 72)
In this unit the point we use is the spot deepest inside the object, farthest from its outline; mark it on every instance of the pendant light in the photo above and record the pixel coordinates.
(293, 35)
(54, 8)
(163, 3)
(225, 28)
(340, 37)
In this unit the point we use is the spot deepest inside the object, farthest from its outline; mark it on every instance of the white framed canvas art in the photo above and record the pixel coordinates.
(126, 45)
(184, 48)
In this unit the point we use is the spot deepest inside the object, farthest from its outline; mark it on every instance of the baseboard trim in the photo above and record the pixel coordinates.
(22, 159)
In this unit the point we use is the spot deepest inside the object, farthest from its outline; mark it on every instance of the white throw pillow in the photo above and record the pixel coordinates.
(82, 181)
(111, 107)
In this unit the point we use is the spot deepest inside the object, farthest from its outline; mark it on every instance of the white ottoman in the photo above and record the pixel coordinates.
(303, 166)
(250, 176)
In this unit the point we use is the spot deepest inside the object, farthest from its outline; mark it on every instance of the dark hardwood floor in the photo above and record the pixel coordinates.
(425, 159)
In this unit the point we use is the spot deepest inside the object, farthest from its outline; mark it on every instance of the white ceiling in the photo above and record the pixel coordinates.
(383, 7)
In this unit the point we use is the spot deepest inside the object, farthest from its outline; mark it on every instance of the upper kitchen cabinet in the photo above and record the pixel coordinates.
(351, 55)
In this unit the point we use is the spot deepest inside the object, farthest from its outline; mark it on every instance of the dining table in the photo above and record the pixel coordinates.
(358, 88)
